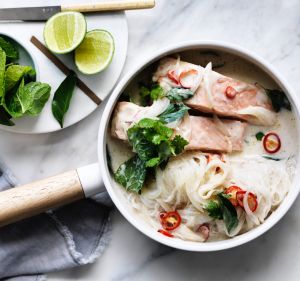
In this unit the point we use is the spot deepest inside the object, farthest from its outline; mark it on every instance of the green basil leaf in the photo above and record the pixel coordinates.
(9, 49)
(14, 74)
(62, 98)
(174, 112)
(279, 99)
(5, 118)
(2, 74)
(131, 174)
(179, 94)
(229, 213)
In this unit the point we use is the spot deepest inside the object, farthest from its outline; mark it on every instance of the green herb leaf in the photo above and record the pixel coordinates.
(132, 174)
(229, 213)
(28, 99)
(152, 93)
(271, 158)
(39, 94)
(278, 99)
(214, 210)
(14, 74)
(62, 98)
(156, 92)
(174, 112)
(179, 94)
(152, 142)
(178, 144)
(2, 74)
(259, 136)
(5, 118)
(9, 49)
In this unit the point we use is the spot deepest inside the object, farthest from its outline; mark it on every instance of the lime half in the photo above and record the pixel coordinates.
(64, 31)
(95, 52)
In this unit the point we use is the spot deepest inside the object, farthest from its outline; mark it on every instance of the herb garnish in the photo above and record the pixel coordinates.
(279, 99)
(152, 142)
(19, 93)
(174, 112)
(9, 49)
(62, 98)
(148, 94)
(271, 158)
(179, 94)
(131, 174)
(259, 136)
(223, 209)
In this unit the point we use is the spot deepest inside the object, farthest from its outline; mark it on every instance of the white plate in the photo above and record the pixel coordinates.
(102, 83)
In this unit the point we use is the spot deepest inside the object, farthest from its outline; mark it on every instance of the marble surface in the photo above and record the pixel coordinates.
(271, 28)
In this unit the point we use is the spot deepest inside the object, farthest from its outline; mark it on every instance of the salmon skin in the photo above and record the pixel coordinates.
(217, 94)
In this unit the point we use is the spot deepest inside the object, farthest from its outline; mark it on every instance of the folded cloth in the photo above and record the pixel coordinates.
(66, 237)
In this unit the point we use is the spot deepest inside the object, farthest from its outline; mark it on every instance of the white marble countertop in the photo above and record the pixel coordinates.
(271, 28)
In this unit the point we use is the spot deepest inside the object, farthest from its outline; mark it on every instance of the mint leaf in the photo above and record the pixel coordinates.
(152, 142)
(179, 94)
(28, 99)
(131, 174)
(5, 118)
(14, 74)
(10, 51)
(174, 112)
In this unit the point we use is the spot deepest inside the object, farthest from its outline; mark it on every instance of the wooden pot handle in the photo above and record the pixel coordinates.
(34, 198)
(109, 6)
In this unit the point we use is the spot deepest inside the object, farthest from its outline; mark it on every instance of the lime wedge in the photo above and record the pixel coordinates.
(95, 52)
(64, 31)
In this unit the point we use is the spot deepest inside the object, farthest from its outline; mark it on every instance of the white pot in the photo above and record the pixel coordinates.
(90, 179)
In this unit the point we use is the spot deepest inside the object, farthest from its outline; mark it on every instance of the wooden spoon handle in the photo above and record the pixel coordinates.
(34, 198)
(109, 6)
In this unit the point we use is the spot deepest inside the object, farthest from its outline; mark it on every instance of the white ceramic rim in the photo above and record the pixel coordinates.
(152, 233)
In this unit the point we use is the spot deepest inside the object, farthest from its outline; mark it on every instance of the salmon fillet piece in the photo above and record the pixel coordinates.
(202, 133)
(219, 94)
(206, 135)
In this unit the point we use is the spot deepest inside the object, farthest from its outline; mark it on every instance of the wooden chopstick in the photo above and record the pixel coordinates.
(80, 84)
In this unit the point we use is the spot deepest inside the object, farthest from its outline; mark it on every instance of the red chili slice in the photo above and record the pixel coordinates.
(232, 190)
(230, 92)
(271, 142)
(204, 230)
(252, 200)
(170, 220)
(173, 76)
(166, 233)
(185, 74)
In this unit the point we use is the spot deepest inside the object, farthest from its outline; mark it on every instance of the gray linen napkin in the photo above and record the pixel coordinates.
(63, 238)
